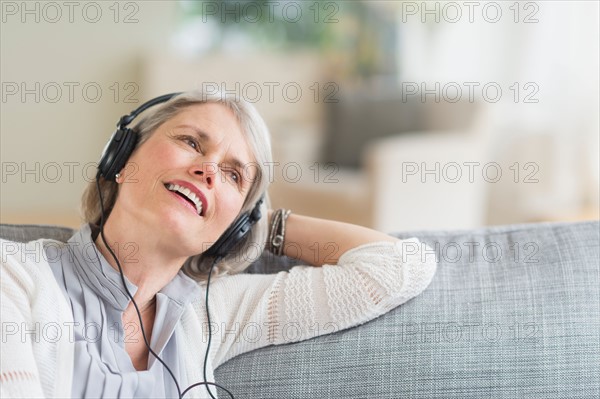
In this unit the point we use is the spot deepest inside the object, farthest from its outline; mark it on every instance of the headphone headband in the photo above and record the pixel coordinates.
(123, 141)
(127, 119)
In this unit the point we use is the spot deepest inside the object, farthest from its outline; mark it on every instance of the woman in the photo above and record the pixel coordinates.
(200, 161)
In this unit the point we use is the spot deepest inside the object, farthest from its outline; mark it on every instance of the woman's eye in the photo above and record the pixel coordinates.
(192, 142)
(235, 176)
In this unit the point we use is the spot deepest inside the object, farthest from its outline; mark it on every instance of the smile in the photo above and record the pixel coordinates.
(185, 193)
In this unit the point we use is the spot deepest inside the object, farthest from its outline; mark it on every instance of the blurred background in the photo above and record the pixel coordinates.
(396, 115)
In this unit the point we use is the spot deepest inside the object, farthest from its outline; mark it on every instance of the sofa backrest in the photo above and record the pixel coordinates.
(513, 312)
(30, 232)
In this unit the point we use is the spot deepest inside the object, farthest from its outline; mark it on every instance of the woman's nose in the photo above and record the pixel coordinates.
(207, 171)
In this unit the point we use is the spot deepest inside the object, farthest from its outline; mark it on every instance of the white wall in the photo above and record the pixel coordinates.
(51, 130)
(556, 52)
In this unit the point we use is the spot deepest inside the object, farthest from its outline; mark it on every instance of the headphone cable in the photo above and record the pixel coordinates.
(217, 259)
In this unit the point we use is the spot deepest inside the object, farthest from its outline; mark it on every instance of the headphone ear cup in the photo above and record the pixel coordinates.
(116, 152)
(233, 235)
(236, 232)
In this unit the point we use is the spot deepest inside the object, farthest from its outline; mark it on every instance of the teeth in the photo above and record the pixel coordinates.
(187, 193)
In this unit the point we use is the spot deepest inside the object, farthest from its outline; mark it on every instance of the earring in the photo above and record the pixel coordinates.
(117, 177)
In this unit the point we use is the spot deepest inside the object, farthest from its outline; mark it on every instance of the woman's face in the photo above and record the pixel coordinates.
(201, 149)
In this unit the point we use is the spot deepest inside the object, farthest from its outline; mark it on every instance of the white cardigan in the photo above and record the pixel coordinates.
(249, 311)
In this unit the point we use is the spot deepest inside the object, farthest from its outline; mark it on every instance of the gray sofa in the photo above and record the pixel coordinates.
(513, 312)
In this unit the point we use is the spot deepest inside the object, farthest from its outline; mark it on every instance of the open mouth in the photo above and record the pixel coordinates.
(187, 195)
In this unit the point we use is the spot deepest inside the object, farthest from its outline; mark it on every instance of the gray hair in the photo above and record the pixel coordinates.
(258, 138)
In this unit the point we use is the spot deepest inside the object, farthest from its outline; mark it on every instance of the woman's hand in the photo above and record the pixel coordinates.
(320, 241)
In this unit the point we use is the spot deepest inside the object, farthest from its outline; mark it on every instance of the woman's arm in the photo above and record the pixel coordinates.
(320, 241)
(37, 342)
(256, 310)
(365, 274)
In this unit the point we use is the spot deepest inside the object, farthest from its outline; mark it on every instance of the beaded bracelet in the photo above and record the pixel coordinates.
(277, 231)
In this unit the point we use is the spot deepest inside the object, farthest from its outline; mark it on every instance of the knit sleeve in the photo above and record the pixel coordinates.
(253, 311)
(35, 347)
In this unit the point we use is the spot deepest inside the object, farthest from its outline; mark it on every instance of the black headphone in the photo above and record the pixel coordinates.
(118, 150)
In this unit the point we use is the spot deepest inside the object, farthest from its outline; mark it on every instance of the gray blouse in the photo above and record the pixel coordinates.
(94, 290)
